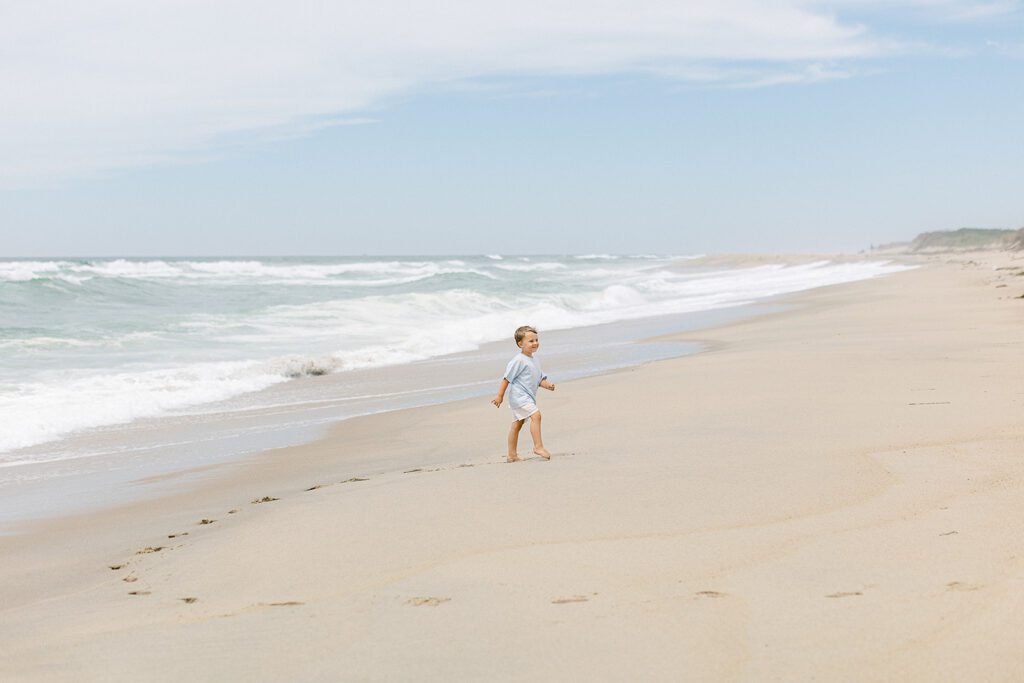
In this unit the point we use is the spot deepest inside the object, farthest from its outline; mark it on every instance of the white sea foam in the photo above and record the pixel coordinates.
(44, 342)
(25, 271)
(35, 412)
(386, 272)
(530, 267)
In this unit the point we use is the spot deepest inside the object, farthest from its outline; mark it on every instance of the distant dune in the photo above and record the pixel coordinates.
(1017, 242)
(964, 239)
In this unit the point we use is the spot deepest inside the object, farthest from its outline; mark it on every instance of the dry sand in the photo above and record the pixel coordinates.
(834, 492)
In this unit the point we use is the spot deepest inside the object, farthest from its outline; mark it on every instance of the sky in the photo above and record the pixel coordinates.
(262, 128)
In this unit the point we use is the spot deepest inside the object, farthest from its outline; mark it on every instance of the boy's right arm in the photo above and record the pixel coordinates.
(501, 394)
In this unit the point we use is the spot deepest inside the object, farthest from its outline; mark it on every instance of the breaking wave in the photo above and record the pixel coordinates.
(151, 342)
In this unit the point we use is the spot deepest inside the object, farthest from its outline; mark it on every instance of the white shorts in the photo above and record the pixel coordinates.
(524, 412)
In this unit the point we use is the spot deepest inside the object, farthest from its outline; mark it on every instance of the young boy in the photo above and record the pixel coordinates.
(524, 375)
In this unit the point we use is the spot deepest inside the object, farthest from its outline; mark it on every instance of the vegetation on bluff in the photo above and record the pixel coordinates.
(964, 239)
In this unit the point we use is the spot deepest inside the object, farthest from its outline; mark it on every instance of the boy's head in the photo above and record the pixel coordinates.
(526, 338)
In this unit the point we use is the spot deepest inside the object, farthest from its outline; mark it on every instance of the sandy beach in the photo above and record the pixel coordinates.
(832, 492)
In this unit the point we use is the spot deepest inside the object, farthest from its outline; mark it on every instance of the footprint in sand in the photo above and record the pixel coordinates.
(264, 499)
(231, 512)
(130, 579)
(843, 594)
(429, 602)
(189, 600)
(183, 533)
(260, 605)
(710, 594)
(573, 598)
(961, 586)
(138, 593)
(347, 481)
(206, 521)
(418, 469)
(949, 533)
(150, 549)
(115, 567)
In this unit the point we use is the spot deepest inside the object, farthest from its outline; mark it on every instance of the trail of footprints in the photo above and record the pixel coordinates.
(189, 600)
(433, 601)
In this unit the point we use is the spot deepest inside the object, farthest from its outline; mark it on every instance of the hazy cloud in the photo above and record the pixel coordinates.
(938, 10)
(105, 84)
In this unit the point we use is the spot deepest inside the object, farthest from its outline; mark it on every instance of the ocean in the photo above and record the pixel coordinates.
(115, 355)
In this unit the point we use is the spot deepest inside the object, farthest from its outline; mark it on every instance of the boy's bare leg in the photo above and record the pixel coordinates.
(513, 440)
(538, 443)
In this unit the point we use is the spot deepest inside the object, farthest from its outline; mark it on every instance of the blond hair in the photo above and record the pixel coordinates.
(521, 332)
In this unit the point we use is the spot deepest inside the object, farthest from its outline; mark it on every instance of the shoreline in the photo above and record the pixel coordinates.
(213, 401)
(828, 478)
(645, 339)
(103, 465)
(178, 459)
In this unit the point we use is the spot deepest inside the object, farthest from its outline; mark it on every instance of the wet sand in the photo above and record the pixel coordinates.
(832, 492)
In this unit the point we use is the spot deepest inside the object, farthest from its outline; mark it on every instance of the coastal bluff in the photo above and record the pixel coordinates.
(963, 239)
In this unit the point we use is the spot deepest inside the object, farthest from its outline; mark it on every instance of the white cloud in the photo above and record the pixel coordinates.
(939, 10)
(105, 84)
(1012, 50)
(760, 76)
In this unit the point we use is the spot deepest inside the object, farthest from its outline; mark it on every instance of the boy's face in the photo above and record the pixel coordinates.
(530, 343)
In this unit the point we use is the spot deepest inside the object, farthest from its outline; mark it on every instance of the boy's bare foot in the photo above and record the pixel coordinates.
(513, 458)
(542, 452)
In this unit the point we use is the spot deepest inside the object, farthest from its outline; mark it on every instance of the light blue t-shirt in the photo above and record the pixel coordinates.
(524, 376)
